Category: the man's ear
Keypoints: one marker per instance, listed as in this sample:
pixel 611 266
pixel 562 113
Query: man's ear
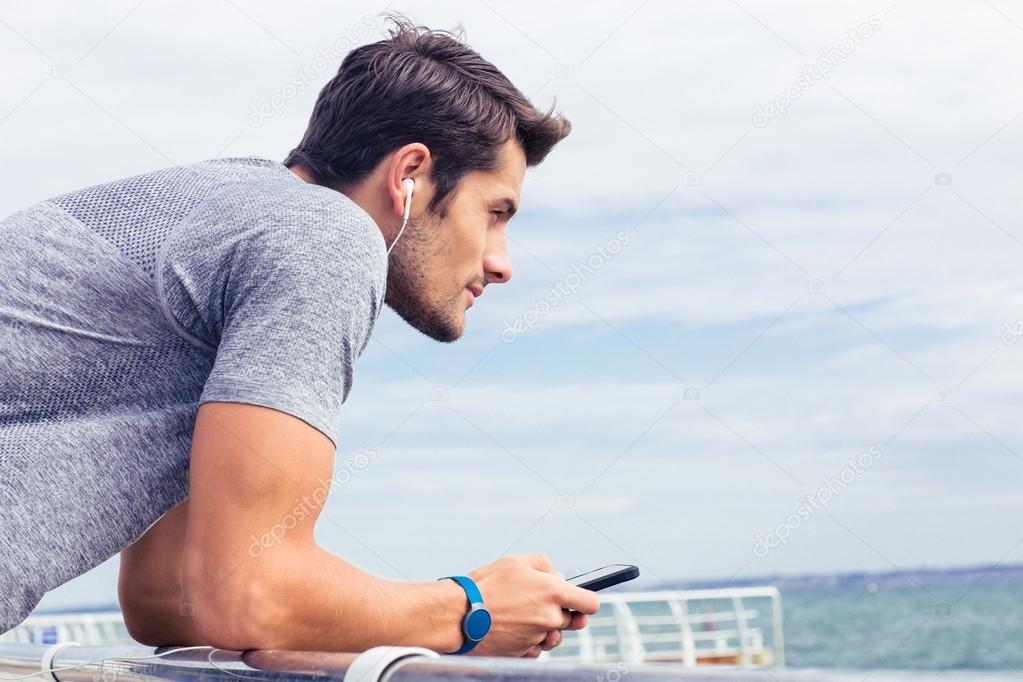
pixel 410 161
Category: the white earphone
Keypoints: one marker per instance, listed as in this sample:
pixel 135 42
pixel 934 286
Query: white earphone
pixel 409 184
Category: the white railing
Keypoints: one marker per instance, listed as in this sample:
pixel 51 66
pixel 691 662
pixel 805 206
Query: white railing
pixel 100 628
pixel 693 627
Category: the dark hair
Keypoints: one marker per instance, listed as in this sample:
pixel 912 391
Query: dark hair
pixel 424 86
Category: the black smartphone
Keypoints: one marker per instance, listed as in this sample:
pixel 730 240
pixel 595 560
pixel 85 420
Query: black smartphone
pixel 607 576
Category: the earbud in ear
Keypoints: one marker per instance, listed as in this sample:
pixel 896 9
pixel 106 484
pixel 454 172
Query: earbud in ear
pixel 409 184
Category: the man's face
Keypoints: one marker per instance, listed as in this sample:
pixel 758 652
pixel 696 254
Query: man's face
pixel 439 264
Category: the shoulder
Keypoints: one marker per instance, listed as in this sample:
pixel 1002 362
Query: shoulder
pixel 271 213
pixel 266 245
pixel 278 201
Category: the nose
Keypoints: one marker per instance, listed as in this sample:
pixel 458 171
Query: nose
pixel 496 263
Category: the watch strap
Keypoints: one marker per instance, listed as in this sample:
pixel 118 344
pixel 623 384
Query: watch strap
pixel 474 596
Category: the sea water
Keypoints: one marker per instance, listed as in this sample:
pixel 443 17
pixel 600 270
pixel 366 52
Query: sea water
pixel 906 627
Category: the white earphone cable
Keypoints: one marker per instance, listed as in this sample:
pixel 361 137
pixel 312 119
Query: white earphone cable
pixel 99 661
pixel 409 184
pixel 403 222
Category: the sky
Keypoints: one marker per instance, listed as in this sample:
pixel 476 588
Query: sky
pixel 767 306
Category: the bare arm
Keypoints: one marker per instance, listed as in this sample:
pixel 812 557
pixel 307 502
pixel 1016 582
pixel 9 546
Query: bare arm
pixel 149 586
pixel 253 576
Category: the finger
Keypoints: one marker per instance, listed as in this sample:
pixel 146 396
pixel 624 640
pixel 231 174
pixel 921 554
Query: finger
pixel 579 621
pixel 566 619
pixel 552 640
pixel 541 562
pixel 533 652
pixel 579 599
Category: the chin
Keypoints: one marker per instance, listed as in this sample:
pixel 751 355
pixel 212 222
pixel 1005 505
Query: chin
pixel 446 333
pixel 444 326
pixel 454 330
pixel 442 321
pixel 452 327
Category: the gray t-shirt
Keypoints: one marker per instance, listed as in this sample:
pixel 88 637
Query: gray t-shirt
pixel 125 306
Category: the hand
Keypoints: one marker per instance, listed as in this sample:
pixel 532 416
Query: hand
pixel 529 603
pixel 554 637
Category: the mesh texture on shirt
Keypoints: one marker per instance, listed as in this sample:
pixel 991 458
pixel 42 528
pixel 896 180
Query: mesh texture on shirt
pixel 137 214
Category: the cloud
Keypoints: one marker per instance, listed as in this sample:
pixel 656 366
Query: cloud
pixel 819 280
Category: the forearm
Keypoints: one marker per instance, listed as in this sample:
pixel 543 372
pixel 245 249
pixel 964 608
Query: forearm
pixel 298 596
pixel 338 606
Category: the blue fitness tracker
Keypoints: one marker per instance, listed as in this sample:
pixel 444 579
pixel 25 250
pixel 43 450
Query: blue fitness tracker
pixel 476 623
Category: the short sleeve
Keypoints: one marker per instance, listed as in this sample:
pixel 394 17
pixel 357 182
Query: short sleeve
pixel 284 288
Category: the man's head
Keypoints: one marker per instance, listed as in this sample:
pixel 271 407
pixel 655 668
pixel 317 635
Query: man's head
pixel 423 105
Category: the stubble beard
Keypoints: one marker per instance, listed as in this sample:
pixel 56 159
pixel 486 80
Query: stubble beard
pixel 408 287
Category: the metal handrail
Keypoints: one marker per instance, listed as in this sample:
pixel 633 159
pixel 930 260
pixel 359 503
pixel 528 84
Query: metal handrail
pixel 101 627
pixel 140 664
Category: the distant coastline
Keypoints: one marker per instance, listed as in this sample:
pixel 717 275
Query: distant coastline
pixel 867 580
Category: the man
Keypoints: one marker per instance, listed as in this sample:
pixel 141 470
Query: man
pixel 177 347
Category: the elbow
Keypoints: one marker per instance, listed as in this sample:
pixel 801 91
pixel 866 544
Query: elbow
pixel 143 608
pixel 235 609
pixel 141 625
